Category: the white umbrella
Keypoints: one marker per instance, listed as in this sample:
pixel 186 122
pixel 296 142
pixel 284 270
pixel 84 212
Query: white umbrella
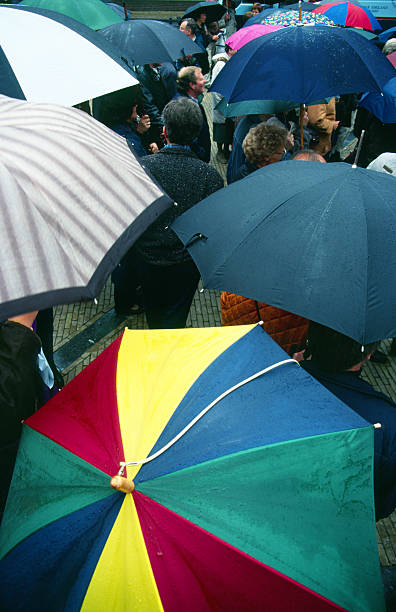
pixel 48 57
pixel 73 199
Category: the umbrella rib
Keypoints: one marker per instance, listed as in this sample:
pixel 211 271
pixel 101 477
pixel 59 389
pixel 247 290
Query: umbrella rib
pixel 125 464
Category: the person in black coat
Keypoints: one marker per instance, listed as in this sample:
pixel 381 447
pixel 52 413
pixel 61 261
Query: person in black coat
pixel 336 362
pixel 20 389
pixel 158 83
pixel 168 275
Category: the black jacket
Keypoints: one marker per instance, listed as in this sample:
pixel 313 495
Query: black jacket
pixel 187 180
pixel 20 387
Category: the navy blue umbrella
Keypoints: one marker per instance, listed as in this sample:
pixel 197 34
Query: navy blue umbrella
pixel 303 63
pixel 318 240
pixel 213 10
pixel 147 41
pixel 387 34
pixel 382 105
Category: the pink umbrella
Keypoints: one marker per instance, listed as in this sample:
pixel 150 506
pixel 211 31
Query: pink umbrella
pixel 245 35
pixel 391 57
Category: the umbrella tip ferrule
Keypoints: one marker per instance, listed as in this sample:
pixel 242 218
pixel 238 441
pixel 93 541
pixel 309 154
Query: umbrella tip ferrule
pixel 122 484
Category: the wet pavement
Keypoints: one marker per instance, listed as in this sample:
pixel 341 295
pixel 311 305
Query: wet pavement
pixel 82 331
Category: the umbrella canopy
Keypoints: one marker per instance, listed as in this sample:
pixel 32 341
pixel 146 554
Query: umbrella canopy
pixel 92 13
pixel 382 105
pixel 60 61
pixel 365 33
pixel 145 41
pixel 392 58
pixel 322 246
pixel 120 10
pixel 243 8
pixel 303 64
pixel 386 34
pixel 292 18
pixel 73 200
pixel 349 14
pixel 213 10
pixel 257 505
pixel 245 35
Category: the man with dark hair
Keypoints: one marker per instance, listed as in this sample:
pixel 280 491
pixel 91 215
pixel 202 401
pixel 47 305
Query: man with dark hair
pixel 167 273
pixel 336 362
pixel 190 84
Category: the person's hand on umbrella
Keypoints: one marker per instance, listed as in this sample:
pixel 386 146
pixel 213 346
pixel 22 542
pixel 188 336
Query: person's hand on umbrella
pixel 144 124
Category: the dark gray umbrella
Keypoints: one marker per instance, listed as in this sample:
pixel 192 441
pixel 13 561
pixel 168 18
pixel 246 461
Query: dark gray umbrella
pixel 73 199
pixel 213 10
pixel 318 240
pixel 147 41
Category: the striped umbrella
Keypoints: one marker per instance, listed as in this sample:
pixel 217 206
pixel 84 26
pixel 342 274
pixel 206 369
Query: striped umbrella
pixel 248 494
pixel 48 57
pixel 73 200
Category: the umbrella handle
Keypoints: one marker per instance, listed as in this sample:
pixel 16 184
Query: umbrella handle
pixel 122 484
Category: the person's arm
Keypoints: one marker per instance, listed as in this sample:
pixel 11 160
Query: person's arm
pixel 322 118
pixel 19 388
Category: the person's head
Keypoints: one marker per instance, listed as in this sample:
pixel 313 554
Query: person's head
pixel 308 155
pixel 389 46
pixel 213 27
pixel 201 18
pixel 190 81
pixel 182 121
pixel 118 106
pixel 256 8
pixel 265 144
pixel 229 51
pixel 333 352
pixel 189 27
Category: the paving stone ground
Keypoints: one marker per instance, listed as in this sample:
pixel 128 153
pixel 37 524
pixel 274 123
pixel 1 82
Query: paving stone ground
pixel 71 319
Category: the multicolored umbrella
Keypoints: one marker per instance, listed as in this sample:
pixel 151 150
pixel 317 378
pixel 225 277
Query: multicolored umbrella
pixel 92 13
pixel 252 490
pixel 292 18
pixel 349 14
pixel 245 35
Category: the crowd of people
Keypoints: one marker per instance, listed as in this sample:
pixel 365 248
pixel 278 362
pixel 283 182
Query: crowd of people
pixel 166 127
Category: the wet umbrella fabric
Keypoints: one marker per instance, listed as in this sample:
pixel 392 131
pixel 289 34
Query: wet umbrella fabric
pixel 73 200
pixel 322 247
pixel 350 15
pixel 292 18
pixel 256 505
pixel 92 13
pixel 382 105
pixel 61 60
pixel 146 41
pixel 213 10
pixel 303 64
pixel 386 34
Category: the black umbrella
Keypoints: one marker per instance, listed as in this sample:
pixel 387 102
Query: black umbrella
pixel 145 41
pixel 213 10
pixel 315 239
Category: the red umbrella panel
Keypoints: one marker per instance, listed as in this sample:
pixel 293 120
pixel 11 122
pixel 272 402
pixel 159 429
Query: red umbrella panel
pixel 252 485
